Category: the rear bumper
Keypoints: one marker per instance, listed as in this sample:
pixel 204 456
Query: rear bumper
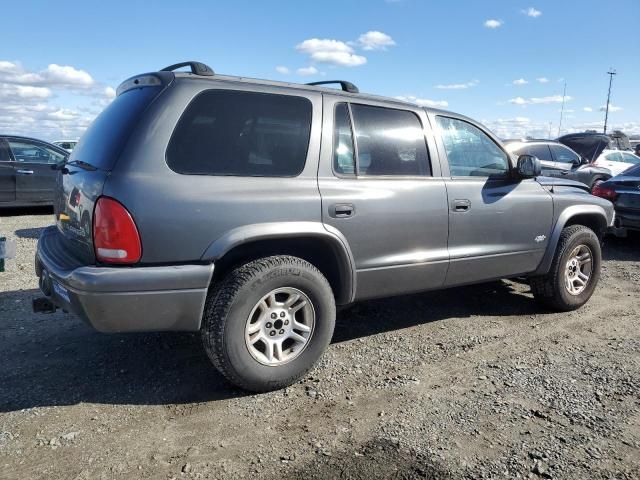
pixel 123 299
pixel 625 220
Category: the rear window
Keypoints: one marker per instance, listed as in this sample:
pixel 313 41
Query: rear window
pixel 224 132
pixel 104 139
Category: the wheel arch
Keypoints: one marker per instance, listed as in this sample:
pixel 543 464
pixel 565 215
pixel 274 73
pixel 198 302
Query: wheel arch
pixel 591 216
pixel 323 246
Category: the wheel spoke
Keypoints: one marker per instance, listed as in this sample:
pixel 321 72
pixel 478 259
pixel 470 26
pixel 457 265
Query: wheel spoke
pixel 297 337
pixel 297 307
pixel 254 327
pixel 301 327
pixel 268 352
pixel 293 298
pixel 277 350
pixel 582 278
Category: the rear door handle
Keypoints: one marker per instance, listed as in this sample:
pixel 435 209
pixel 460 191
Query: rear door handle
pixel 342 210
pixel 461 205
pixel 24 172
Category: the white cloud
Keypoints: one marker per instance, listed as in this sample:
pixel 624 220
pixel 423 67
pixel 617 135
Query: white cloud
pixel 493 23
pixel 28 100
pixel 306 71
pixel 542 80
pixel 612 108
pixel 331 51
pixel 539 100
pixel 457 86
pixel 282 70
pixel 588 109
pixel 62 76
pixel 424 102
pixel 532 12
pixel 375 40
pixel 520 81
pixel 65 75
pixel 110 93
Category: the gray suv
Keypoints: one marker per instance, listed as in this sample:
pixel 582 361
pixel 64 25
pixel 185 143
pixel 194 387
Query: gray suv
pixel 248 209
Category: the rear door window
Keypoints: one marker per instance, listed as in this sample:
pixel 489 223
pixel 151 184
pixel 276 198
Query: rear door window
pixel 389 142
pixel 225 132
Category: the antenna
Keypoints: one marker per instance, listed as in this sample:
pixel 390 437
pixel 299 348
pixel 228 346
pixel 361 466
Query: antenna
pixel 611 73
pixel 564 94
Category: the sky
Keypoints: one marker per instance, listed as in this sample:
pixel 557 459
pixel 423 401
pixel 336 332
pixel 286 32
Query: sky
pixel 502 62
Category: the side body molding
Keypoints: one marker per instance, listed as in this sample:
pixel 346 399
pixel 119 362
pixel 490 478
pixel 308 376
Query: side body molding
pixel 291 230
pixel 563 219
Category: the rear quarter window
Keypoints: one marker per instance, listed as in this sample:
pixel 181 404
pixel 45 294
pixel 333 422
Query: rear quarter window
pixel 226 132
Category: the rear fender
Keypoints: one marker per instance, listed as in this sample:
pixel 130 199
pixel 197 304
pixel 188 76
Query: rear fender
pixel 290 231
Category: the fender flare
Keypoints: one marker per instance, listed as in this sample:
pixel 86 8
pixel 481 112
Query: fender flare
pixel 566 215
pixel 271 231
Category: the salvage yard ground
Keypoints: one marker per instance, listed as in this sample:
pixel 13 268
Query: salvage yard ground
pixel 472 382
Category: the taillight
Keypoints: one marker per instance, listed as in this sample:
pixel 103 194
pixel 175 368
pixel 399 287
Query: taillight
pixel 604 192
pixel 115 235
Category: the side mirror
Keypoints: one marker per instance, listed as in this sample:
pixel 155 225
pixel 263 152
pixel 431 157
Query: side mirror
pixel 529 166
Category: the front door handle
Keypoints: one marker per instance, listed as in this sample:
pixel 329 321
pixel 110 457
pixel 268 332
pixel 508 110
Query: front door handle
pixel 24 172
pixel 342 210
pixel 461 205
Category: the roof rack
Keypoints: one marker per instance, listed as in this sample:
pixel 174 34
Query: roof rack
pixel 197 68
pixel 346 86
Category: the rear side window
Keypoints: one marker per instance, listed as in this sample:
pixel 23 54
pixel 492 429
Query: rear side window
pixel 564 155
pixel 540 151
pixel 389 142
pixel 224 132
pixel 614 157
pixel 105 138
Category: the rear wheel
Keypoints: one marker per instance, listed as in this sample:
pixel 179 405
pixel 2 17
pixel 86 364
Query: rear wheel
pixel 574 272
pixel 268 322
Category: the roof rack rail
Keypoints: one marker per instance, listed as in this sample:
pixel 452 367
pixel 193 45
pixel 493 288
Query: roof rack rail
pixel 346 86
pixel 197 68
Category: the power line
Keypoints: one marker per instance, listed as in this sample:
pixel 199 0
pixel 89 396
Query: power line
pixel 564 94
pixel 611 73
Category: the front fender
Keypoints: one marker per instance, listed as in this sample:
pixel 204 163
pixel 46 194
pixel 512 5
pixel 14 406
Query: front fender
pixel 598 213
pixel 276 230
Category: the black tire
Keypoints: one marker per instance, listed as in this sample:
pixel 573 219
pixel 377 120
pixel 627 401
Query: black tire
pixel 230 303
pixel 550 289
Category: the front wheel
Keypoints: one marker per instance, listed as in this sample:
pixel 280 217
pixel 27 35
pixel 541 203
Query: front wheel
pixel 268 322
pixel 574 272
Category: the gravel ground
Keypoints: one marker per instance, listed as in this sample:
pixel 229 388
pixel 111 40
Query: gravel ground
pixel 474 382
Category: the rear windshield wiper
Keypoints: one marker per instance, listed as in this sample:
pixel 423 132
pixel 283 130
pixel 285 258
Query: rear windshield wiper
pixel 75 163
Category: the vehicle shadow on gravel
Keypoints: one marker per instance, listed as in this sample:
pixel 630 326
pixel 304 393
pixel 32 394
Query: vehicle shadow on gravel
pixel 54 360
pixel 377 316
pixel 19 211
pixel 33 233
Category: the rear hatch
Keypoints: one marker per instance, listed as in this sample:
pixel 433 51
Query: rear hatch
pixel 80 183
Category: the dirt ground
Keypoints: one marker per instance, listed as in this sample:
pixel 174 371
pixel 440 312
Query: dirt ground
pixel 474 382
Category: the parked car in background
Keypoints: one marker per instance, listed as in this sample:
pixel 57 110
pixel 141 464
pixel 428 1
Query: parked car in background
pixel 624 191
pixel 27 174
pixel 617 161
pixel 68 145
pixel 601 150
pixel 247 209
pixel 558 160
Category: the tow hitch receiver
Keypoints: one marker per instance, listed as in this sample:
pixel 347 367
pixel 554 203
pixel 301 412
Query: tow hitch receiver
pixel 43 305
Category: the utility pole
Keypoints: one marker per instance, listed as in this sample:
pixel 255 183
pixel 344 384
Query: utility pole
pixel 611 73
pixel 564 94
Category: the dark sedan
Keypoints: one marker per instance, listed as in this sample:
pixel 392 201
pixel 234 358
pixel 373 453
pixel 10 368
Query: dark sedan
pixel 624 191
pixel 27 176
